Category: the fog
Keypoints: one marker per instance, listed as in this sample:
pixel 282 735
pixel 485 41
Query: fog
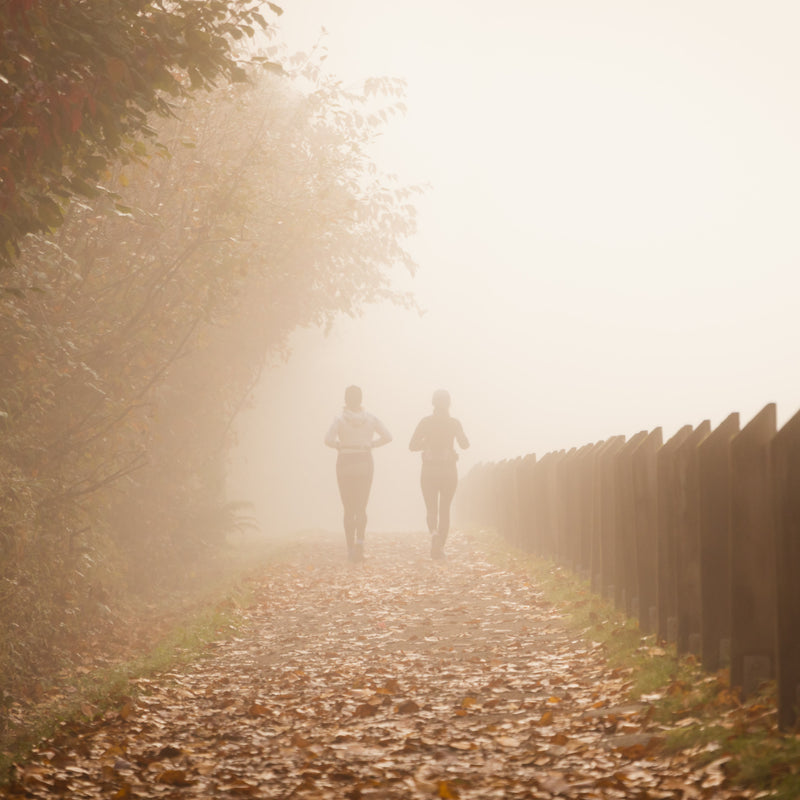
pixel 608 244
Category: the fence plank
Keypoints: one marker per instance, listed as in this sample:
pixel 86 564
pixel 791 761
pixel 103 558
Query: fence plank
pixel 604 508
pixel 753 571
pixel 714 474
pixel 667 584
pixel 626 584
pixel 786 466
pixel 688 635
pixel 645 489
pixel 526 470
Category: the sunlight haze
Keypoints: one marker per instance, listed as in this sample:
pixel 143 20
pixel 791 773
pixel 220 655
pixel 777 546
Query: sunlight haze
pixel 608 242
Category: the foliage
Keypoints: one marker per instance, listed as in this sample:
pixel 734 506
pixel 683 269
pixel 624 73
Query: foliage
pixel 79 82
pixel 153 320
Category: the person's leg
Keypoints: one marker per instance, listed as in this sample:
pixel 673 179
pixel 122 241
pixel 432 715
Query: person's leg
pixel 430 494
pixel 447 489
pixel 361 492
pixel 348 492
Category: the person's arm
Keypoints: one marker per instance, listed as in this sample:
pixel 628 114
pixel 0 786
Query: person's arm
pixel 418 439
pixel 332 436
pixel 384 437
pixel 461 437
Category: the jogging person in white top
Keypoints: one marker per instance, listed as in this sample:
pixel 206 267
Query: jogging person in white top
pixel 354 433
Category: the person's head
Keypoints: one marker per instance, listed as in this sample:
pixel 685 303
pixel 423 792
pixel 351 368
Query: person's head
pixel 441 400
pixel 352 397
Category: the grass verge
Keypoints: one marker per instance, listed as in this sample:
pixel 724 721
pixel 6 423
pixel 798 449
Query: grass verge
pixel 698 712
pixel 165 633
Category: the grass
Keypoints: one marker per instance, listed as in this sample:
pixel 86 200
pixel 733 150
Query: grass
pixel 180 629
pixel 699 712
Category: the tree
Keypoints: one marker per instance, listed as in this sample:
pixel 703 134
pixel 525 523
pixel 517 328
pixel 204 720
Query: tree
pixel 80 81
pixel 155 316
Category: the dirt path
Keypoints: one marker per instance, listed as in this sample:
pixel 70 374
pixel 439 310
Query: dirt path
pixel 398 678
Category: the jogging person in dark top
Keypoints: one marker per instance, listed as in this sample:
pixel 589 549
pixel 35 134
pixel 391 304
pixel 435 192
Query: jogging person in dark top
pixel 435 436
pixel 354 433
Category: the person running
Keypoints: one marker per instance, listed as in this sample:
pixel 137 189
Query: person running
pixel 354 433
pixel 435 436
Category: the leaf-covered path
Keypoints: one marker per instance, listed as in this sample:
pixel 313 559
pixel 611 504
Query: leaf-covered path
pixel 398 678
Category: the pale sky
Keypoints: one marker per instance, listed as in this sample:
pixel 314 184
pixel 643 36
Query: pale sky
pixel 609 243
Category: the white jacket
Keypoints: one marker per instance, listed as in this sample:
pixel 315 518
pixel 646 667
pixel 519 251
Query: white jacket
pixel 354 432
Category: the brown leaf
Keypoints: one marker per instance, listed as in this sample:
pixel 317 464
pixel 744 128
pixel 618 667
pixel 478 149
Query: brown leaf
pixel 446 791
pixel 173 777
pixel 407 707
pixel 461 745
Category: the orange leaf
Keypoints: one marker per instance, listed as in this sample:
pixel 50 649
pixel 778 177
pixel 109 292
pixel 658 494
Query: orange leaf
pixel 173 777
pixel 446 791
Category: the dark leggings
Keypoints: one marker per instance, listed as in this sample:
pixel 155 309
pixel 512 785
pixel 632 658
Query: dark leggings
pixel 438 483
pixel 354 475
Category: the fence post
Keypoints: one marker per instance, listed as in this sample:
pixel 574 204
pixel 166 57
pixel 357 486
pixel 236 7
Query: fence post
pixel 603 524
pixel 525 478
pixel 562 509
pixel 667 585
pixel 552 514
pixel 539 505
pixel 588 465
pixel 753 571
pixel 645 490
pixel 689 615
pixel 786 467
pixel 626 593
pixel 714 473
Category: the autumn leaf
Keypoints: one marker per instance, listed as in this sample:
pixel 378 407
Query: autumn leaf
pixel 173 777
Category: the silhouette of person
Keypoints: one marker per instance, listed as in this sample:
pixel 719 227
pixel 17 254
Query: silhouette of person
pixel 354 433
pixel 435 436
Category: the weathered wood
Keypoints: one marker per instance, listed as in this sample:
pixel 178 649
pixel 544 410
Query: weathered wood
pixel 626 590
pixel 753 571
pixel 714 475
pixel 571 490
pixel 525 478
pixel 786 475
pixel 580 500
pixel 688 634
pixel 608 534
pixel 603 513
pixel 667 583
pixel 563 510
pixel 551 516
pixel 538 505
pixel 585 510
pixel 645 488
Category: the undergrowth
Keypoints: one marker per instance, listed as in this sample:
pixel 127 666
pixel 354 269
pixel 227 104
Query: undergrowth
pixel 699 713
pixel 175 628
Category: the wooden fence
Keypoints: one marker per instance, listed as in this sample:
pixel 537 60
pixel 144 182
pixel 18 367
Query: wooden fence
pixel 697 537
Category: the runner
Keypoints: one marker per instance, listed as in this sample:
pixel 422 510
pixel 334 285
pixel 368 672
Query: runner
pixel 353 433
pixel 435 436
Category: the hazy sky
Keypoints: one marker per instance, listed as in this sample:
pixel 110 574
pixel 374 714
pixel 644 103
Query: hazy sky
pixel 609 243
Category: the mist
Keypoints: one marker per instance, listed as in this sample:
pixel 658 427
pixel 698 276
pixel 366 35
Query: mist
pixel 607 243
